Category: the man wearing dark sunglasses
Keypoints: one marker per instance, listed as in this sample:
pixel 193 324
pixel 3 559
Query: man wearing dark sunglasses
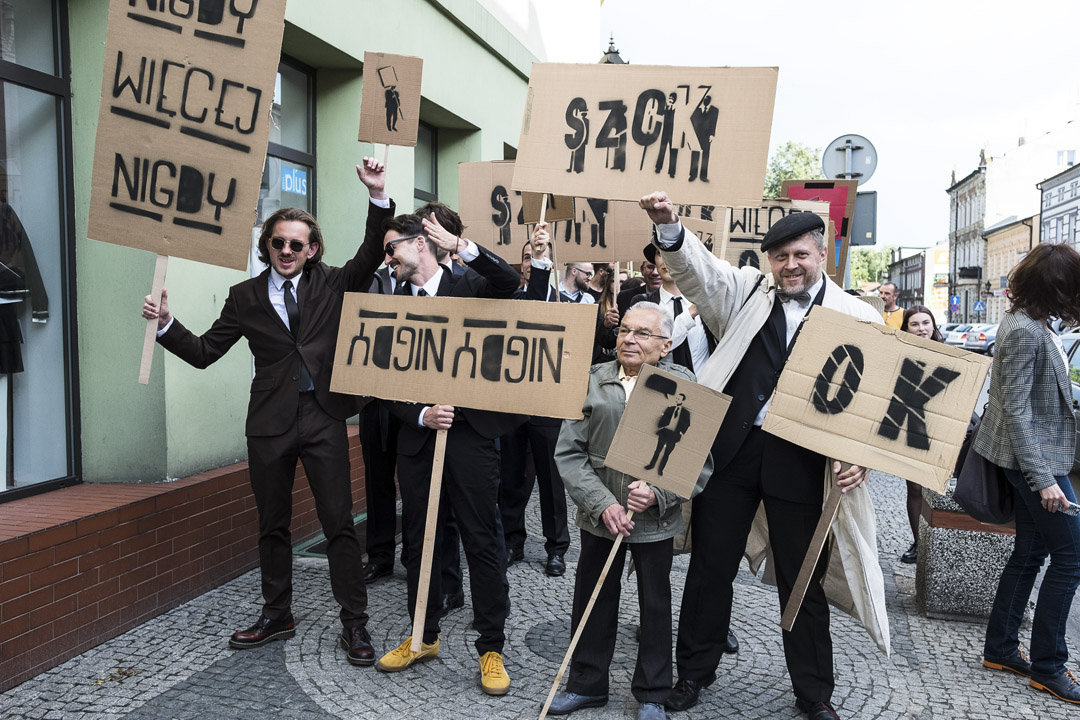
pixel 289 315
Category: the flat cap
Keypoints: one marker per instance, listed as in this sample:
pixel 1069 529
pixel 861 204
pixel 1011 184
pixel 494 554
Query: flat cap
pixel 791 227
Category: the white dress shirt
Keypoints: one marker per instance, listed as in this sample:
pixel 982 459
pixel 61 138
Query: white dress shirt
pixel 687 327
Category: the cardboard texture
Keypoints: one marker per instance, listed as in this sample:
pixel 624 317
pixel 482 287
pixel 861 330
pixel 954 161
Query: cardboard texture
pixel 623 131
pixel 707 231
pixel 183 126
pixel 651 430
pixel 491 212
pixel 749 224
pixel 484 354
pixel 874 396
pixel 559 207
pixel 836 261
pixel 390 103
pixel 840 194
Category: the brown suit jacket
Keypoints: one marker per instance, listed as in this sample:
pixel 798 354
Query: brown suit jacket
pixel 248 313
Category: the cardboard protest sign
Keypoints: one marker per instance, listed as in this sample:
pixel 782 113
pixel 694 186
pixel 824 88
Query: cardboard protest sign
pixel 878 397
pixel 667 430
pixel 838 255
pixel 840 194
pixel 621 131
pixel 183 126
pixel 629 229
pixel 601 231
pixel 483 354
pixel 749 224
pixel 490 210
pixel 559 207
pixel 707 231
pixel 390 104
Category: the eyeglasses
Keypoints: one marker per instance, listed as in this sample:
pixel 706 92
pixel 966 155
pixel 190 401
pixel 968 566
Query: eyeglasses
pixel 639 334
pixel 294 245
pixel 586 273
pixel 389 247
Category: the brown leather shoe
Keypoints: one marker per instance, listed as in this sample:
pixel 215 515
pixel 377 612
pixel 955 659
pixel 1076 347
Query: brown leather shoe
pixel 263 631
pixel 358 644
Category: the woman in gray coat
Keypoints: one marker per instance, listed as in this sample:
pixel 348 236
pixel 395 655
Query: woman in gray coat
pixel 1030 431
pixel 603 497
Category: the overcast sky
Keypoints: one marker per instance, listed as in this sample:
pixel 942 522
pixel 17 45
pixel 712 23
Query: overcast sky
pixel 929 83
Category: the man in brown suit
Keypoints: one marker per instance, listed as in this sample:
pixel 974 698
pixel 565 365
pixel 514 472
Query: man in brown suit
pixel 292 414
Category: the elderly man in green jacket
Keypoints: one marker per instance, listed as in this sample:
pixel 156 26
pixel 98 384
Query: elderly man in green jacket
pixel 603 496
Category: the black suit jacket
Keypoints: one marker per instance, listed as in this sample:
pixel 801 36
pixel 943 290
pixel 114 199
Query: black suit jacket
pixel 488 276
pixel 248 313
pixel 680 355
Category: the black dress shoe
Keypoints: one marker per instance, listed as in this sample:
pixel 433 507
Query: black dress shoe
pixel 263 631
pixel 556 566
pixel 685 693
pixel 1017 662
pixel 451 601
pixel 731 645
pixel 565 703
pixel 373 572
pixel 819 710
pixel 1063 687
pixel 912 555
pixel 513 554
pixel 357 643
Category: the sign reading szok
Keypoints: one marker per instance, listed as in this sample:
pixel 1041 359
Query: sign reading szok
pixel 877 397
pixel 621 131
pixel 182 131
pixel 390 104
pixel 477 353
pixel 667 430
pixel 491 212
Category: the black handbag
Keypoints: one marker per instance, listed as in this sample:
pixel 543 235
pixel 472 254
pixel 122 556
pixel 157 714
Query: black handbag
pixel 981 486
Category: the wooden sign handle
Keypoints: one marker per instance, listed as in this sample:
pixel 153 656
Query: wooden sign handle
pixel 386 154
pixel 150 338
pixel 617 284
pixel 817 544
pixel 543 207
pixel 581 623
pixel 434 491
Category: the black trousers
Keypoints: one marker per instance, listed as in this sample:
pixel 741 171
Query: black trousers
pixel 321 443
pixel 541 435
pixel 378 440
pixel 470 488
pixel 449 553
pixel 592 657
pixel 722 516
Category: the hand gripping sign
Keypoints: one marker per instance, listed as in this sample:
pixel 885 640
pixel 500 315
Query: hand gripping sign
pixel 484 354
pixel 876 397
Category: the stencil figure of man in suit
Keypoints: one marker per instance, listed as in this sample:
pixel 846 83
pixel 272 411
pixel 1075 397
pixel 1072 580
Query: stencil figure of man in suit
pixel 669 431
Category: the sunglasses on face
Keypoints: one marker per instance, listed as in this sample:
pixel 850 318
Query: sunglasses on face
pixel 389 248
pixel 295 245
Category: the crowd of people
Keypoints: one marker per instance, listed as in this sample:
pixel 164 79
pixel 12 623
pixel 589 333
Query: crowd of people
pixel 730 329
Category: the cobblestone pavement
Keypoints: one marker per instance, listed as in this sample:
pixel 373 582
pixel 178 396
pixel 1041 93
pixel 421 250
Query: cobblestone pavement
pixel 179 666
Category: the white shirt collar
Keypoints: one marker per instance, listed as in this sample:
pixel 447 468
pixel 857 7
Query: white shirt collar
pixel 431 287
pixel 278 281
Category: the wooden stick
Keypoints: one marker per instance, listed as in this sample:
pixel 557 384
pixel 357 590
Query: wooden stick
pixel 543 207
pixel 817 544
pixel 581 623
pixel 386 154
pixel 150 338
pixel 434 491
pixel 615 280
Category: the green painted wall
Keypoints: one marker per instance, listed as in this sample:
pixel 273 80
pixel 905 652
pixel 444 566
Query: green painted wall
pixel 187 420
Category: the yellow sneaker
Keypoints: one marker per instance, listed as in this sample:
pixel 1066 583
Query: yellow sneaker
pixel 493 677
pixel 402 657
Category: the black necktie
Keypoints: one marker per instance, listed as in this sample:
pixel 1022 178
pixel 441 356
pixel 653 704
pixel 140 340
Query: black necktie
pixel 421 293
pixel 678 306
pixel 293 311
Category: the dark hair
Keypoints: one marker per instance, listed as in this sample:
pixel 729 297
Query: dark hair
pixel 406 225
pixel 632 284
pixel 289 214
pixel 1047 283
pixel 915 310
pixel 446 217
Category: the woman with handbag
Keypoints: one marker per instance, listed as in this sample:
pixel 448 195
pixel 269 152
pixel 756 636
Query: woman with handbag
pixel 918 320
pixel 1029 431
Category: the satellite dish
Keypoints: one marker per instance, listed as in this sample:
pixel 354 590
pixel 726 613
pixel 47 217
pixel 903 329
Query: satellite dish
pixel 849 157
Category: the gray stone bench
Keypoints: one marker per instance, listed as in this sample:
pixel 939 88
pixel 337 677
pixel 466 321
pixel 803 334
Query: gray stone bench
pixel 960 560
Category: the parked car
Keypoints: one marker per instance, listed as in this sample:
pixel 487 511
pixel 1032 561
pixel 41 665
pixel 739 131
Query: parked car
pixel 981 338
pixel 947 328
pixel 957 335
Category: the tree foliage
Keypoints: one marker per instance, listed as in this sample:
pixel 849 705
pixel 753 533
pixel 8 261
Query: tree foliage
pixel 792 161
pixel 869 264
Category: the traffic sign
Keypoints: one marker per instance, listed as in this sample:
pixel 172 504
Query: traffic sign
pixel 849 157
pixel 954 308
pixel 979 306
pixel 954 299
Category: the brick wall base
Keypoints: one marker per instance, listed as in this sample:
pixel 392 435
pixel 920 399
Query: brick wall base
pixel 139 551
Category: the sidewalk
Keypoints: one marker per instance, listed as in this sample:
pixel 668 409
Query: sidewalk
pixel 178 666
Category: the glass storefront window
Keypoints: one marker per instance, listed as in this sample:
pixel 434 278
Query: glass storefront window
pixel 425 163
pixel 26 34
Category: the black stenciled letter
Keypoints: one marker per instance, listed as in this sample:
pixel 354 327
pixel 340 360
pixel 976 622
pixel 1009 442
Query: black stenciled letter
pixel 577 119
pixel 849 386
pixel 457 356
pixel 613 133
pixel 909 399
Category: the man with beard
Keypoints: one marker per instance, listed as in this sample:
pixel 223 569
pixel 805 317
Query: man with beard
pixel 757 318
